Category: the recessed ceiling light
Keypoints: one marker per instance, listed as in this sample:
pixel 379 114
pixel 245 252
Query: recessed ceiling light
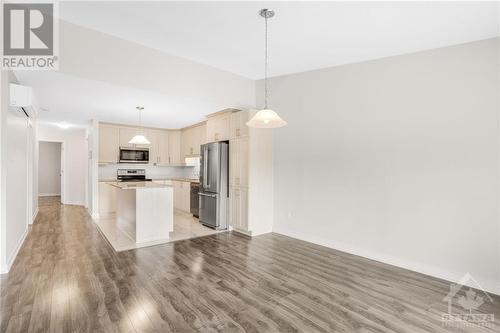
pixel 63 125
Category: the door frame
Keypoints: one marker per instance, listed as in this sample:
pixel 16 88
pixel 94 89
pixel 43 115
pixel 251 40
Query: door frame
pixel 63 166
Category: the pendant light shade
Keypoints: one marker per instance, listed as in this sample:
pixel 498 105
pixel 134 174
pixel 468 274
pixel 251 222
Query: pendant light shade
pixel 266 118
pixel 140 139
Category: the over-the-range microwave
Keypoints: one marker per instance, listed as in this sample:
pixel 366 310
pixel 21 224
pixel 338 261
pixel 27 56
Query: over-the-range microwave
pixel 134 155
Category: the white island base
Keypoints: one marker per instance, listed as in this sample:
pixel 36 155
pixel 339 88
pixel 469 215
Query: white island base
pixel 144 213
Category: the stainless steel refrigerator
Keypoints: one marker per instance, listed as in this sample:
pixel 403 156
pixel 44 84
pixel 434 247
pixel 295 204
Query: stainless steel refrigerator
pixel 214 185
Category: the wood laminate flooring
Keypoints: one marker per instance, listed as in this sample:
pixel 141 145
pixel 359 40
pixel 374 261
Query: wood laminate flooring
pixel 67 278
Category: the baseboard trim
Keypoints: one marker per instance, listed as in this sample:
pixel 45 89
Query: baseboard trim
pixel 243 232
pixel 6 268
pixel 35 214
pixel 49 194
pixel 74 203
pixel 488 286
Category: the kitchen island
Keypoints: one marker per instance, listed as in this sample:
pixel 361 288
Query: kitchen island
pixel 144 212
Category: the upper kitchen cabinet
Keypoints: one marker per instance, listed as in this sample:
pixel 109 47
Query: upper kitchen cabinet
pixel 109 137
pixel 191 140
pixel 238 126
pixel 158 149
pixel 218 126
pixel 186 142
pixel 202 133
pixel 174 147
pixel 163 154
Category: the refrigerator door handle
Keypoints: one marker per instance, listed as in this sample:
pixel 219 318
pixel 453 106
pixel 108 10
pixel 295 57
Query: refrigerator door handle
pixel 208 195
pixel 205 167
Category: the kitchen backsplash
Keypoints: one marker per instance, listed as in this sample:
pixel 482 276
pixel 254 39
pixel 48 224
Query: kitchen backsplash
pixel 108 172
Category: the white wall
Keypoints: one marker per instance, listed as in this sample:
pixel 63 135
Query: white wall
pixel 33 167
pixel 49 168
pixel 395 159
pixel 93 168
pixel 75 160
pixel 15 197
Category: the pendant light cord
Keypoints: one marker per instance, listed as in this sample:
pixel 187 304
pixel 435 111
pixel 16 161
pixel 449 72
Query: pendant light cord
pixel 265 68
pixel 140 121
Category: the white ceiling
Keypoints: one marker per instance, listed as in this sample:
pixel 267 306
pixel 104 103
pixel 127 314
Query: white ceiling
pixel 229 36
pixel 303 35
pixel 76 101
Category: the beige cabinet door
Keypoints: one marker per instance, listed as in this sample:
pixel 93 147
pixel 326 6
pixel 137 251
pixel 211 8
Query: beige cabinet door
pixel 239 208
pixel 177 190
pixel 174 147
pixel 223 126
pixel 234 161
pixel 163 147
pixel 152 136
pixel 186 196
pixel 109 150
pixel 202 134
pixel 218 127
pixel 182 196
pixel 199 137
pixel 195 141
pixel 107 199
pixel 244 209
pixel 211 129
pixel 238 127
pixel 186 142
pixel 191 140
pixel 234 207
pixel 238 162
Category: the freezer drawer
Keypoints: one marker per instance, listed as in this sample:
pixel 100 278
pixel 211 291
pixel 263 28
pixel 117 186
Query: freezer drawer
pixel 208 209
pixel 213 210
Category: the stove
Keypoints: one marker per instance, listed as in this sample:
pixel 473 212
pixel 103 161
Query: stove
pixel 131 175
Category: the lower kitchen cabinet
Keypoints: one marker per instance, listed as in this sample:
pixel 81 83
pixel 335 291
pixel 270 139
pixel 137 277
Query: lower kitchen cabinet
pixel 239 208
pixel 182 196
pixel 107 199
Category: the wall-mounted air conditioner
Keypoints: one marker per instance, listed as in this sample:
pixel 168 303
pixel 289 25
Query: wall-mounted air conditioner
pixel 21 99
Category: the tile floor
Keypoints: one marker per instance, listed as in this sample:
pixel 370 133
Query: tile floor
pixel 185 227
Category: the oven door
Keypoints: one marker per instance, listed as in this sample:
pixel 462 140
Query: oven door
pixel 134 155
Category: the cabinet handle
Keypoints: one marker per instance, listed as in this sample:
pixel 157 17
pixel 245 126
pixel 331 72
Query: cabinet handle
pixel 191 150
pixel 169 160
pixel 216 136
pixel 237 132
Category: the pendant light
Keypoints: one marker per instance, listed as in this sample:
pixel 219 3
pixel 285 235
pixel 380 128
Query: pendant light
pixel 140 139
pixel 266 118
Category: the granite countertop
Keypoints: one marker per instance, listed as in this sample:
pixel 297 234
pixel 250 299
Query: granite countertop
pixel 190 180
pixel 136 185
